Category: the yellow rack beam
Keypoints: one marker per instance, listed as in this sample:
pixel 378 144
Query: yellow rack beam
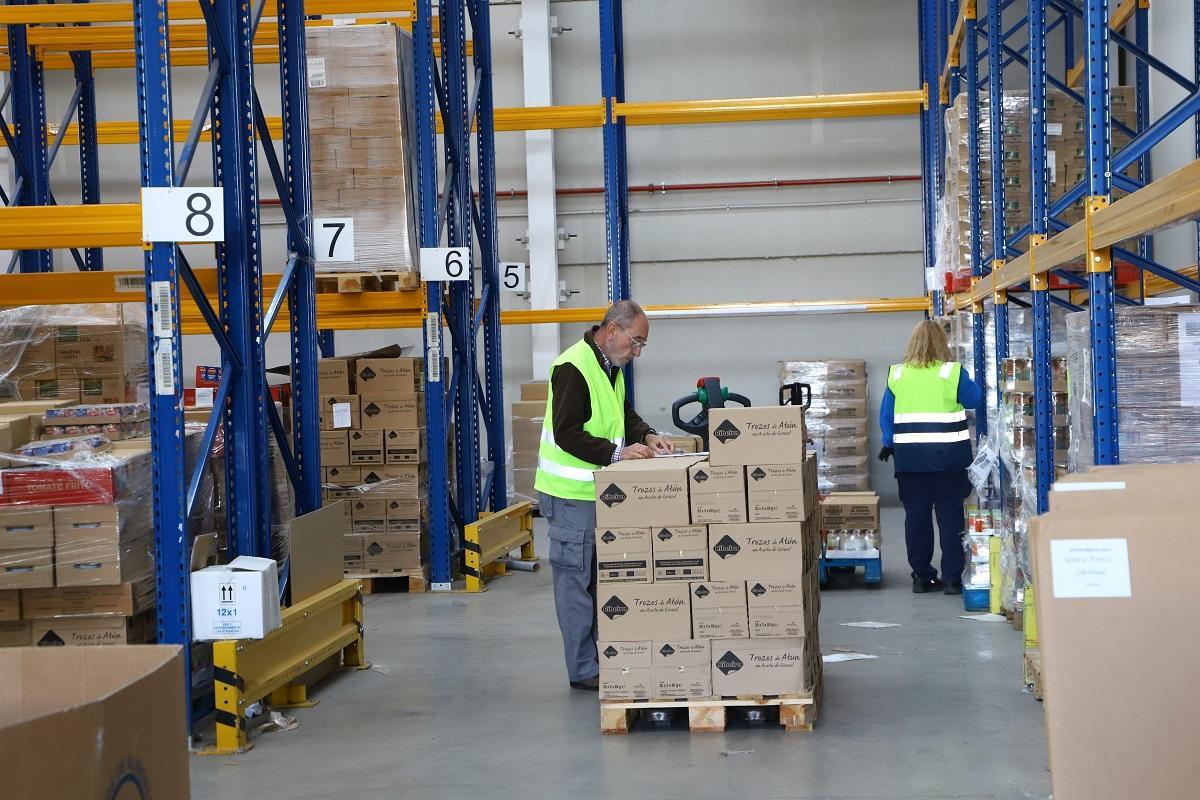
pixel 1118 18
pixel 49 227
pixel 756 109
pixel 181 9
pixel 967 11
pixel 1161 204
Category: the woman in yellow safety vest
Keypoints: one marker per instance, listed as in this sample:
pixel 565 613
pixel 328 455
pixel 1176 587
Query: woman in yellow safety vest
pixel 924 423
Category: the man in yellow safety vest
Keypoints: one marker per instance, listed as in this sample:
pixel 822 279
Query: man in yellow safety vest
pixel 588 424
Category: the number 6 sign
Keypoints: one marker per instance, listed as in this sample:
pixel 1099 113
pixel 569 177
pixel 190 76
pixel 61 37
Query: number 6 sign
pixel 183 214
pixel 445 264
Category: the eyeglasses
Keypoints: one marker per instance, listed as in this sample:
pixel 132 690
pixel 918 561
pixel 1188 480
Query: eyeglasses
pixel 640 344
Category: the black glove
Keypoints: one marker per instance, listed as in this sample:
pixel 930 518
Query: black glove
pixel 885 453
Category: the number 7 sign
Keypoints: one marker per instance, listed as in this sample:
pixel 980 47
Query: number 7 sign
pixel 334 238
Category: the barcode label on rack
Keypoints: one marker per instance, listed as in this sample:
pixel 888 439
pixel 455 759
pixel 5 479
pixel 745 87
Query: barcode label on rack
pixel 316 73
pixel 433 330
pixel 129 283
pixel 164 367
pixel 161 294
pixel 1189 359
pixel 433 364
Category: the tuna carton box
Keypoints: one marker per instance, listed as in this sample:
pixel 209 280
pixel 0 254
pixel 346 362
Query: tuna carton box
pixel 758 666
pixel 759 435
pixel 644 493
pixel 681 553
pixel 762 551
pixel 623 555
pixel 719 610
pixel 633 612
pixel 625 670
pixel 718 494
pixel 681 669
pixel 777 608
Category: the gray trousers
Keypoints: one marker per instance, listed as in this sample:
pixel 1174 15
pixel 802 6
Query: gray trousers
pixel 573 558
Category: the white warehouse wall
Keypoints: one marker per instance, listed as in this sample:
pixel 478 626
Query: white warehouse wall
pixel 858 241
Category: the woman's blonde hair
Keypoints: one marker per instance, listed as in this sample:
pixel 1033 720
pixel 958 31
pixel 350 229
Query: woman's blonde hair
pixel 927 346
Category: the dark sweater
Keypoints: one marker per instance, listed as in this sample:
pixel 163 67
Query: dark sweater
pixel 573 407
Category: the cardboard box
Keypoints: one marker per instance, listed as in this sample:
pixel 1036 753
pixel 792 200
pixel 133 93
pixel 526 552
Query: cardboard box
pixel 779 506
pixel 368 508
pixel 340 412
pixel 704 478
pixel 623 555
pixel 760 435
pixel 102 631
pixel 25 527
pixel 778 622
pixel 643 493
pixel 397 376
pixel 31 568
pixel 16 634
pixel 535 390
pixel 404 446
pixel 850 510
pixel 343 476
pixel 353 551
pixel 101 390
pixel 682 683
pixel 10 605
pixel 335 449
pixel 388 552
pixel 779 608
pixel 93 713
pixel 624 655
pixel 122 600
pixel 407 514
pixel 390 412
pixel 763 550
pixel 529 409
pixel 641 611
pixel 713 507
pixel 681 553
pixel 845 447
pixel 759 666
pixel 625 683
pixel 366 447
pixel 1107 600
pixel 720 623
pixel 238 600
pixel 396 480
pixel 334 376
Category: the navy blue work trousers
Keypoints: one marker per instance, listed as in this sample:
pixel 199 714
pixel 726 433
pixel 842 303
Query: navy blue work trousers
pixel 924 495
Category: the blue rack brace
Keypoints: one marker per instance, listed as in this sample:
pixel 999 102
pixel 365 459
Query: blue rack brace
pixel 29 123
pixel 971 57
pixel 1040 285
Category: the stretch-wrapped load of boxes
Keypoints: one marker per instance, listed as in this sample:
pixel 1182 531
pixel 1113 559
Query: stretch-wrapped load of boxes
pixel 850 525
pixel 76 542
pixel 92 354
pixel 837 420
pixel 706 568
pixel 1158 385
pixel 360 117
pixel 527 416
pixel 1066 161
pixel 373 452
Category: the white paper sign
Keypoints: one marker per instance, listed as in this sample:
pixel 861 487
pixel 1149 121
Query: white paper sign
pixel 445 264
pixel 341 415
pixel 512 276
pixel 334 238
pixel 1086 568
pixel 205 397
pixel 183 214
pixel 316 72
pixel 164 366
pixel 1189 359
pixel 1053 129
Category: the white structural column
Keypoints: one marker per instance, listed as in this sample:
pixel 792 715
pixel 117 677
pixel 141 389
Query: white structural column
pixel 539 178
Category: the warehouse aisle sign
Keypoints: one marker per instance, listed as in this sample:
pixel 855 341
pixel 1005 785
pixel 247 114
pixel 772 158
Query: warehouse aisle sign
pixel 183 214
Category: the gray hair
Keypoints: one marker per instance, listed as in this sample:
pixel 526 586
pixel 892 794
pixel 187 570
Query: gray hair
pixel 623 313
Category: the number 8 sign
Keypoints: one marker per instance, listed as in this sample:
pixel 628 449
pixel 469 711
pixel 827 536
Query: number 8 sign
pixel 183 214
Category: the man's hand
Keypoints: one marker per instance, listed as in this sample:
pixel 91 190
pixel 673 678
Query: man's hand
pixel 659 444
pixel 885 453
pixel 633 451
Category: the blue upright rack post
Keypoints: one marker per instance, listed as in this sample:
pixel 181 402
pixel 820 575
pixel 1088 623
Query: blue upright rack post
pixel 496 497
pixel 425 74
pixel 970 55
pixel 1040 284
pixel 996 143
pixel 29 133
pixel 1099 262
pixel 616 168
pixel 1142 98
pixel 89 145
pixel 930 137
pixel 172 548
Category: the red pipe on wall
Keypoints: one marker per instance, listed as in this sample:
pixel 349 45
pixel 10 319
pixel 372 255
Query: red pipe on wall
pixel 664 188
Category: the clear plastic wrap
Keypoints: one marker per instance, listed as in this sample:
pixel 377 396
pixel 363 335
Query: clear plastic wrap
pixel 836 421
pixel 361 126
pixel 819 372
pixel 1158 385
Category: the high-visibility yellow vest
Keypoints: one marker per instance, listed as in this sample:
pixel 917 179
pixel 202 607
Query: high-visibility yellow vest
pixel 930 432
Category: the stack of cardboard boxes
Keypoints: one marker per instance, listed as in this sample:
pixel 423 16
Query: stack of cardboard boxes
pixel 706 580
pixel 527 416
pixel 373 452
pixel 77 551
pixel 92 354
pixel 837 420
pixel 850 525
pixel 360 113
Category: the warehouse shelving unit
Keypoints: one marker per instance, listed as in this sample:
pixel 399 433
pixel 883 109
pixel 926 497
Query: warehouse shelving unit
pixel 956 39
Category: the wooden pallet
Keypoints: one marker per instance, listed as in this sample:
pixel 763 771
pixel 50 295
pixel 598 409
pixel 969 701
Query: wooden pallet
pixel 1033 672
pixel 359 282
pixel 411 581
pixel 791 712
pixel 1015 618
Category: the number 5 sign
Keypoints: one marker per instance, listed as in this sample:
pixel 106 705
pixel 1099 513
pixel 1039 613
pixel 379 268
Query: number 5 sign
pixel 183 214
pixel 335 238
pixel 445 264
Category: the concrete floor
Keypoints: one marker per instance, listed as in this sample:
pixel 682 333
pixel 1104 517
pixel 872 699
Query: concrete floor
pixel 468 697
